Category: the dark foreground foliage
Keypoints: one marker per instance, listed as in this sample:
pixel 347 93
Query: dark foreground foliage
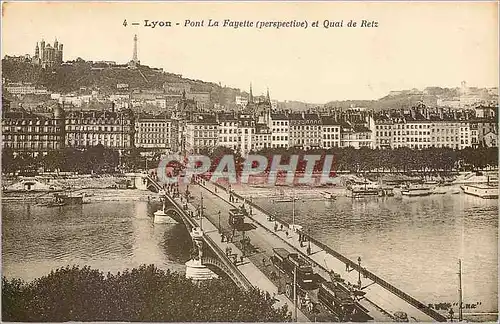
pixel 142 294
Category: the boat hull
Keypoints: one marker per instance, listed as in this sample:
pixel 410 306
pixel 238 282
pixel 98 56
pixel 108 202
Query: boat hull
pixel 410 193
pixel 355 194
pixel 481 192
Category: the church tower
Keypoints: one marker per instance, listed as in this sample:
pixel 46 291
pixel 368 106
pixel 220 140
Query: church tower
pixel 42 50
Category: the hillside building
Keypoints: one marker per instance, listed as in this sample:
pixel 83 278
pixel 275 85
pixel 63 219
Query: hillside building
pixel 48 56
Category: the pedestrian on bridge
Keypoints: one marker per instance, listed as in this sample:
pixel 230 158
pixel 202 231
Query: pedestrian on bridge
pixel 264 261
pixel 241 258
pixel 222 237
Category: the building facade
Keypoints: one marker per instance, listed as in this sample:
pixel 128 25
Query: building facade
pixel 228 131
pixel 156 133
pixel 279 125
pixel 111 129
pixel 33 134
pixel 246 130
pixel 305 130
pixel 330 132
pixel 261 137
pixel 201 133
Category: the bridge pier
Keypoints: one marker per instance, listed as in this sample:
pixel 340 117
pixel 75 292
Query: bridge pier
pixel 195 269
pixel 161 216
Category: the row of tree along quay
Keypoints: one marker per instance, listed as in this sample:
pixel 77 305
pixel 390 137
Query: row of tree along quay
pixel 141 294
pixel 98 159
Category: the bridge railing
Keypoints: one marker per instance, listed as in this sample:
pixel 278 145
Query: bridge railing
pixel 381 282
pixel 241 280
pixel 368 274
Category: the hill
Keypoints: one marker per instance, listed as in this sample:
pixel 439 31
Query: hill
pixel 79 73
pixel 388 102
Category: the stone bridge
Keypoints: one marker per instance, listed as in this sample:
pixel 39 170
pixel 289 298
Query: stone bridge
pixel 219 261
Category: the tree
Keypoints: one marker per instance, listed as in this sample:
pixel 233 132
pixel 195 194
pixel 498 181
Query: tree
pixel 53 160
pixel 141 294
pixel 8 161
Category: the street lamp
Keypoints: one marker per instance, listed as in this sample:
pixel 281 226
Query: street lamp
pixel 243 243
pixel 359 272
pixel 201 211
pixel 295 293
pixel 309 241
pixel 219 222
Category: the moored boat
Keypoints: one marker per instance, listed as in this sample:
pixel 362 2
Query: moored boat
pixel 486 191
pixel 363 190
pixel 416 190
pixel 280 200
pixel 69 199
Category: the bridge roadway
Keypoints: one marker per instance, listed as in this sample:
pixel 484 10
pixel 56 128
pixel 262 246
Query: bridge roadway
pixel 248 274
pixel 381 301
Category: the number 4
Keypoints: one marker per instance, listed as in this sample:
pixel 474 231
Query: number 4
pixel 125 23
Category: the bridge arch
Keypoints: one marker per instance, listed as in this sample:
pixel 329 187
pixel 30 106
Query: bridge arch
pixel 211 262
pixel 174 213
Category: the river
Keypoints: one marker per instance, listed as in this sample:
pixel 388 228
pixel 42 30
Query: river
pixel 110 236
pixel 414 243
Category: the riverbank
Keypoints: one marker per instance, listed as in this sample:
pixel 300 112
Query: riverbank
pixel 91 195
pixel 105 181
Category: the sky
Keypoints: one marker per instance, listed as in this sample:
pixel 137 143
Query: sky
pixel 414 45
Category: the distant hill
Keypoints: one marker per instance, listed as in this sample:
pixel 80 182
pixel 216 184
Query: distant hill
pixel 405 100
pixel 79 73
pixel 296 105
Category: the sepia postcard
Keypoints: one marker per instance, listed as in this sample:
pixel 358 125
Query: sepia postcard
pixel 247 161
